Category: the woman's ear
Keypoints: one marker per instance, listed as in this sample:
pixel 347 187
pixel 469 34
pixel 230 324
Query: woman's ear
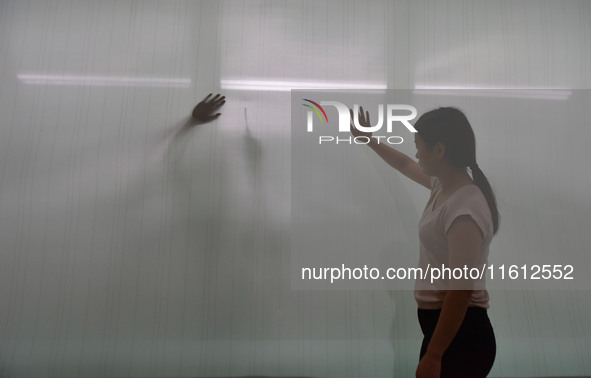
pixel 439 150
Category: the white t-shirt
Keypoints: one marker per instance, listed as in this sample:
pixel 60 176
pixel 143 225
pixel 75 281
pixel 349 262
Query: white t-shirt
pixel 433 228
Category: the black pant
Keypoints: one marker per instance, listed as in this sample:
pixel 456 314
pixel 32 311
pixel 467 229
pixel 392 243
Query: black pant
pixel 473 349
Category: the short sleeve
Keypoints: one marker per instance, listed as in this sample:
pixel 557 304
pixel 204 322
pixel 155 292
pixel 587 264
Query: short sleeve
pixel 475 206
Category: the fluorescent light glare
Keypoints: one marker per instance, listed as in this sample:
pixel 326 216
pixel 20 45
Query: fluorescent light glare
pixel 276 85
pixel 104 81
pixel 529 93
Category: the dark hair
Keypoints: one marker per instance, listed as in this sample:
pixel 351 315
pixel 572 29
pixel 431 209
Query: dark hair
pixel 451 127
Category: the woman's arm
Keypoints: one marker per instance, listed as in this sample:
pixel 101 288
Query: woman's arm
pixel 464 239
pixel 396 159
pixel 403 163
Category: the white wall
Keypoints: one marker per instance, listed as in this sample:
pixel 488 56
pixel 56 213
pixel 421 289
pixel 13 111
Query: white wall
pixel 130 249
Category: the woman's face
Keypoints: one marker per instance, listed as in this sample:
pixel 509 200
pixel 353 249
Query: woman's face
pixel 425 156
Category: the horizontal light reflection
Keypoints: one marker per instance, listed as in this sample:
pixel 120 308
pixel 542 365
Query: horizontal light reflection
pixel 103 81
pixel 529 93
pixel 279 85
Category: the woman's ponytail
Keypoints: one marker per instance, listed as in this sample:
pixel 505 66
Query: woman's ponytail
pixel 482 182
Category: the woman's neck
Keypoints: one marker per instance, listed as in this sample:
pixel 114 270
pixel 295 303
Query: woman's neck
pixel 454 178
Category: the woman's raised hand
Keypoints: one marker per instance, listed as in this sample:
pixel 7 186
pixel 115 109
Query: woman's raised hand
pixel 363 121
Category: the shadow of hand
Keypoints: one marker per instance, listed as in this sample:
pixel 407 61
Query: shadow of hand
pixel 203 111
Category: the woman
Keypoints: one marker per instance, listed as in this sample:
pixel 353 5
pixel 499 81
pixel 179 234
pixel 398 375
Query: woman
pixel 455 229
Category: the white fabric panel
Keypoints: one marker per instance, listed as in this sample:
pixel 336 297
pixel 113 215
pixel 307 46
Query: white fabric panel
pixel 130 247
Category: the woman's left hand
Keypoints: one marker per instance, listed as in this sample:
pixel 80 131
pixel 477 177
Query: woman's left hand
pixel 429 367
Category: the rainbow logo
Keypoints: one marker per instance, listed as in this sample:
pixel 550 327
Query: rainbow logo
pixel 315 110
